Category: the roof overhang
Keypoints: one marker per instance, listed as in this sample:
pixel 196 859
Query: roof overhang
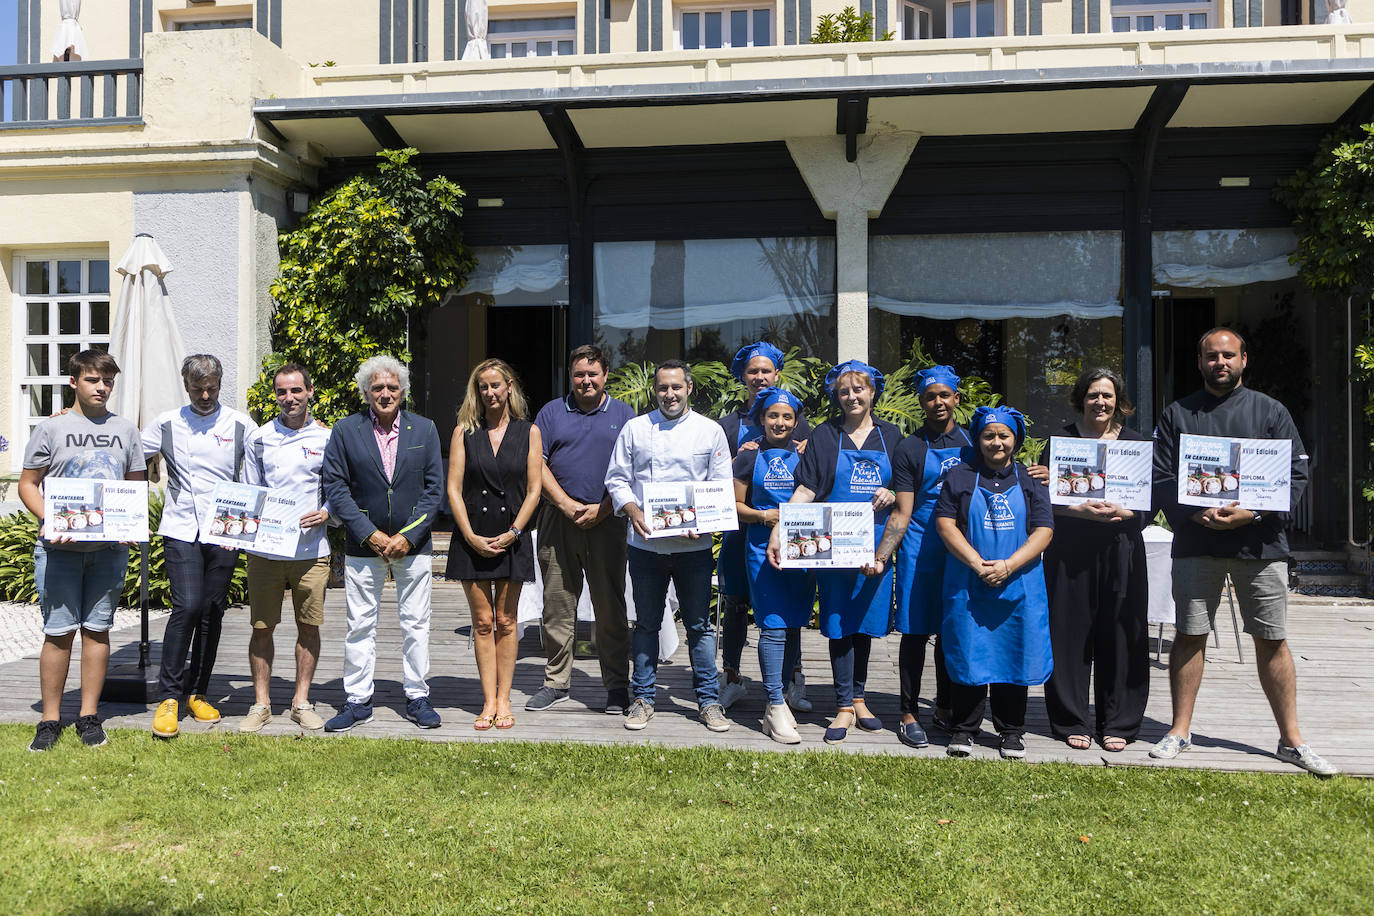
pixel 1215 95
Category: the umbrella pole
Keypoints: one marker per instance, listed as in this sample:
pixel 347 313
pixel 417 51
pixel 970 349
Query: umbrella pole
pixel 143 641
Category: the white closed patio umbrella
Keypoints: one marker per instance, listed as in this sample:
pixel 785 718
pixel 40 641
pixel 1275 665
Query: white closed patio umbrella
pixel 146 342
pixel 149 350
pixel 475 15
pixel 70 42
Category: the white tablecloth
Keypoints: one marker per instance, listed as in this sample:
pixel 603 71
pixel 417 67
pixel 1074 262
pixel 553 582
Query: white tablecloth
pixel 1160 568
pixel 531 609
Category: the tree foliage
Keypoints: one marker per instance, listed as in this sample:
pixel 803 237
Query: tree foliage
pixel 715 392
pixel 370 254
pixel 848 25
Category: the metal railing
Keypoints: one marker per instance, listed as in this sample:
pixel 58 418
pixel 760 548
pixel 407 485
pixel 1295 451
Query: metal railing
pixel 71 93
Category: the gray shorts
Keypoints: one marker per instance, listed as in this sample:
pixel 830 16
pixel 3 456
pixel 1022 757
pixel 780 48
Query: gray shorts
pixel 1261 590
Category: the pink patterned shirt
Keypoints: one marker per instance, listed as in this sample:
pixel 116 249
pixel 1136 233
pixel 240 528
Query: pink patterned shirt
pixel 387 442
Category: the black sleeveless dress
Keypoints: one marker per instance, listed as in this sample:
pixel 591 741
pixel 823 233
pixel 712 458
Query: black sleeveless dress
pixel 494 487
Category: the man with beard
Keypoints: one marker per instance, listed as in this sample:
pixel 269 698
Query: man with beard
pixel 1210 544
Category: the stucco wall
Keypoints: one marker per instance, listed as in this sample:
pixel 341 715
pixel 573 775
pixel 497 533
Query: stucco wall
pixel 199 231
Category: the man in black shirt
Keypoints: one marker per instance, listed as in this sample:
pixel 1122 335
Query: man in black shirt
pixel 1210 544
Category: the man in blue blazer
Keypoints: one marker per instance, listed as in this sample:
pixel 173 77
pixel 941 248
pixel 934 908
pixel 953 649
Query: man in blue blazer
pixel 383 477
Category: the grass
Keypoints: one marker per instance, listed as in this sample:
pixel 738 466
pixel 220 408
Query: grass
pixel 243 824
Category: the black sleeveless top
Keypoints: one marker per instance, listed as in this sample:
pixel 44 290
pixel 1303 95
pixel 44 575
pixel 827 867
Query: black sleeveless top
pixel 494 487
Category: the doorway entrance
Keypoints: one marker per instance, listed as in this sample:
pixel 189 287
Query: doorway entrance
pixel 1179 322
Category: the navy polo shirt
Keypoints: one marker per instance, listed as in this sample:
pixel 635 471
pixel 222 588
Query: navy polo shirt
pixel 578 445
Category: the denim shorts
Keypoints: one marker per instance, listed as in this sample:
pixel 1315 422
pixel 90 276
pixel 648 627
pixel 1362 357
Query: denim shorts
pixel 78 589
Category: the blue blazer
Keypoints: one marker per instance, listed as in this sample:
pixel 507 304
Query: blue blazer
pixel 364 500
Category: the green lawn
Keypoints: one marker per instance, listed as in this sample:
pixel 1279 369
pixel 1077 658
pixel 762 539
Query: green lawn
pixel 224 823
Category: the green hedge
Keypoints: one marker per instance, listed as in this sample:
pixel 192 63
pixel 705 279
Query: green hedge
pixel 20 530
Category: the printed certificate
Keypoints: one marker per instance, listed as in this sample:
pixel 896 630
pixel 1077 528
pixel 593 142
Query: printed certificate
pixel 685 506
pixel 95 510
pixel 1093 470
pixel 254 518
pixel 1217 471
pixel 826 535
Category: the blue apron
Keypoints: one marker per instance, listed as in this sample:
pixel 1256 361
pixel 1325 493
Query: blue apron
pixel 996 635
pixel 850 601
pixel 921 556
pixel 731 580
pixel 780 599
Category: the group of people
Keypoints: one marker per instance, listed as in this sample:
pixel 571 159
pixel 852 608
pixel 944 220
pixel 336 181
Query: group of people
pixel 968 549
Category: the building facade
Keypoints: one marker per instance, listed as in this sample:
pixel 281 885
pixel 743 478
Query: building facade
pixel 1029 187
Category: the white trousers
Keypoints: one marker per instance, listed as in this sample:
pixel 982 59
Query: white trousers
pixel 364 578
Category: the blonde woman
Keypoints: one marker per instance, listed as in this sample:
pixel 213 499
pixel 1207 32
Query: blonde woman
pixel 494 467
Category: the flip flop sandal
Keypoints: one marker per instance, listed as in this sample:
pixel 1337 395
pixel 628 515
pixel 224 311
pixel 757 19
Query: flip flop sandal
pixel 482 723
pixel 505 721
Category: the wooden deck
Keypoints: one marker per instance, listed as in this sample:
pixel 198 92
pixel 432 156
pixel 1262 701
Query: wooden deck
pixel 1332 641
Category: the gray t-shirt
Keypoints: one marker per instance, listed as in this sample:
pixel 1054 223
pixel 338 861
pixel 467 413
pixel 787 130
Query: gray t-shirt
pixel 72 445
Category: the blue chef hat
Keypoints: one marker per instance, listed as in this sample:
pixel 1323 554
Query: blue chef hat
pixel 1010 417
pixel 936 375
pixel 749 351
pixel 770 396
pixel 855 365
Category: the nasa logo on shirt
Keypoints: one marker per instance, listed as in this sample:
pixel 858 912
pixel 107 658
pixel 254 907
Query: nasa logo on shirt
pixel 776 471
pixel 865 476
pixel 999 517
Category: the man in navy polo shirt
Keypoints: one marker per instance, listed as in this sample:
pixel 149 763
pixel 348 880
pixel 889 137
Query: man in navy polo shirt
pixel 580 537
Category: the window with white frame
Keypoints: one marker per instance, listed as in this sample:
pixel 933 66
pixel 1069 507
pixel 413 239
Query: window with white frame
pixel 62 308
pixel 532 37
pixel 972 18
pixel 1161 17
pixel 918 21
pixel 723 27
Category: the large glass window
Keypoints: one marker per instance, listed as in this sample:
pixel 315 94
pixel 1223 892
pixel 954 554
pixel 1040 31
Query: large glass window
pixel 724 27
pixel 918 21
pixel 704 298
pixel 532 37
pixel 1026 311
pixel 1154 16
pixel 63 307
pixel 972 18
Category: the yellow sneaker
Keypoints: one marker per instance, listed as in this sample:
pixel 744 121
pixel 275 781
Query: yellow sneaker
pixel 165 719
pixel 201 711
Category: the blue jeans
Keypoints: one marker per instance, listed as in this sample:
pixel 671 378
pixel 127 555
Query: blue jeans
pixel 690 573
pixel 78 588
pixel 779 652
pixel 849 663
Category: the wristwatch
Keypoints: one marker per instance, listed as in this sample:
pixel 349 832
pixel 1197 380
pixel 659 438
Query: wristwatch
pixel 515 531
pixel 1257 517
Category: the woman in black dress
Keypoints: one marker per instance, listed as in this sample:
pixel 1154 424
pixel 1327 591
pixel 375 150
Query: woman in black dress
pixel 1098 591
pixel 494 465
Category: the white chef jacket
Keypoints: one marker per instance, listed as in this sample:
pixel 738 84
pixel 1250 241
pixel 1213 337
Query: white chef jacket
pixel 197 453
pixel 288 461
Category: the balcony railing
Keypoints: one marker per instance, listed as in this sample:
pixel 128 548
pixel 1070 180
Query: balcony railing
pixel 70 94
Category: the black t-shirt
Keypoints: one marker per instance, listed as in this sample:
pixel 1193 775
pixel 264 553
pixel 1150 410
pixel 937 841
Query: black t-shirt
pixel 962 478
pixel 909 467
pixel 816 471
pixel 743 467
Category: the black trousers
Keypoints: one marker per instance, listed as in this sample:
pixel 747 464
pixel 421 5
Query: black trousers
pixel 1008 703
pixel 1099 603
pixel 911 663
pixel 200 576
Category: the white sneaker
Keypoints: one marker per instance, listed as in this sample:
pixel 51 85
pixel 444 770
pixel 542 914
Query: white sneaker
pixel 731 692
pixel 778 725
pixel 1303 756
pixel 795 693
pixel 1170 746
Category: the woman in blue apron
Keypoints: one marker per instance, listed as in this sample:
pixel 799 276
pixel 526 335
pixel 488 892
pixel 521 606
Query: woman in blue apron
pixel 996 521
pixel 782 601
pixel 918 474
pixel 756 366
pixel 849 459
